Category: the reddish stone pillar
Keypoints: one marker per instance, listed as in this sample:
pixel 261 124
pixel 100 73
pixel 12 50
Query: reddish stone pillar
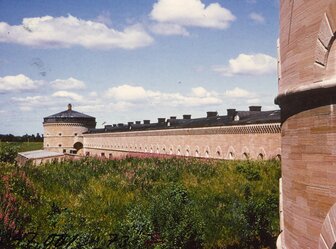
pixel 307 97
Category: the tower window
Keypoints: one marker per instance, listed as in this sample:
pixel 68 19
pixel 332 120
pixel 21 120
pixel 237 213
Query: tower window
pixel 59 145
pixel 75 134
pixel 60 134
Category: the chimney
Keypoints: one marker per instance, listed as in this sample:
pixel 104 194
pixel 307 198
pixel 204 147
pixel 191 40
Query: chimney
pixel 108 126
pixel 137 122
pixel 69 107
pixel 231 113
pixel 173 117
pixel 186 116
pixel 114 125
pixel 211 114
pixel 130 123
pixel 161 120
pixel 120 125
pixel 255 108
pixel 146 121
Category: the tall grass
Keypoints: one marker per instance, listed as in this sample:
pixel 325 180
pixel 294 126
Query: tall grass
pixel 137 203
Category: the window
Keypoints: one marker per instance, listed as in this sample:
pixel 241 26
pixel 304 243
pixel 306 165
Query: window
pixel 207 154
pixel 64 150
pixel 87 153
pixel 60 134
pixel 59 145
pixel 231 155
pixel 110 156
pixel 260 156
pixel 102 154
pixel 75 134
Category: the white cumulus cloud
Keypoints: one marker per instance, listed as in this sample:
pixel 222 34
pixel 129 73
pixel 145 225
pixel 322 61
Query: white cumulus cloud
pixel 257 18
pixel 237 93
pixel 68 95
pixel 48 31
pixel 192 13
pixel 248 64
pixel 66 84
pixel 127 93
pixel 131 94
pixel 18 82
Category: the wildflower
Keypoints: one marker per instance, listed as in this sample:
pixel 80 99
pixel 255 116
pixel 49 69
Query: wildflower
pixel 12 225
pixel 6 220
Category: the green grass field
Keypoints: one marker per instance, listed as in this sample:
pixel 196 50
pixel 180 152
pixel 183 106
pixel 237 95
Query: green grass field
pixel 26 146
pixel 140 203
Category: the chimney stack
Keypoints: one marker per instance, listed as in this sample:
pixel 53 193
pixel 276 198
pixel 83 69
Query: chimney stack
pixel 137 122
pixel 255 108
pixel 69 107
pixel 211 114
pixel 173 117
pixel 130 123
pixel 161 120
pixel 186 116
pixel 231 113
pixel 114 125
pixel 120 125
pixel 146 121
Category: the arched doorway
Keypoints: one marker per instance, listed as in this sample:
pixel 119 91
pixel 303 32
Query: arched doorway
pixel 78 148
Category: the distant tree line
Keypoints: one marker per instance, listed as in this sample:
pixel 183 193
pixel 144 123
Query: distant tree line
pixel 24 138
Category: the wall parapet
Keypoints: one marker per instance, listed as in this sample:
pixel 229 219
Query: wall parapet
pixel 240 129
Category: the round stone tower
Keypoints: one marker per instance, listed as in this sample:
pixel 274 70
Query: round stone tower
pixel 63 132
pixel 307 97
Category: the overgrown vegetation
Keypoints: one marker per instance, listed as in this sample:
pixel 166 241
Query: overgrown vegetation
pixel 140 203
pixel 15 147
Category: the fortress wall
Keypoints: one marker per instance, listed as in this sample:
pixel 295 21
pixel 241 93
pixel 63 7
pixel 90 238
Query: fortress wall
pixel 62 134
pixel 307 97
pixel 237 142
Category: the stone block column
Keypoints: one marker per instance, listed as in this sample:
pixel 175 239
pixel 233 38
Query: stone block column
pixel 307 97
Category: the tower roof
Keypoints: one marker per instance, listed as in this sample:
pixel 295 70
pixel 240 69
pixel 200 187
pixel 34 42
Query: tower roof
pixel 69 116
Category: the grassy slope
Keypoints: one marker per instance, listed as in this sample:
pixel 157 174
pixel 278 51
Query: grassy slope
pixel 232 199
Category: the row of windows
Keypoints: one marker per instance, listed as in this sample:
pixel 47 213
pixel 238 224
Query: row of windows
pixel 60 134
pixel 187 152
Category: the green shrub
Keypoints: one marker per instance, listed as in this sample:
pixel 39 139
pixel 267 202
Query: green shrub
pixel 172 220
pixel 8 152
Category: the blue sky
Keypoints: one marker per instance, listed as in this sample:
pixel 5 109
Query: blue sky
pixel 127 60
